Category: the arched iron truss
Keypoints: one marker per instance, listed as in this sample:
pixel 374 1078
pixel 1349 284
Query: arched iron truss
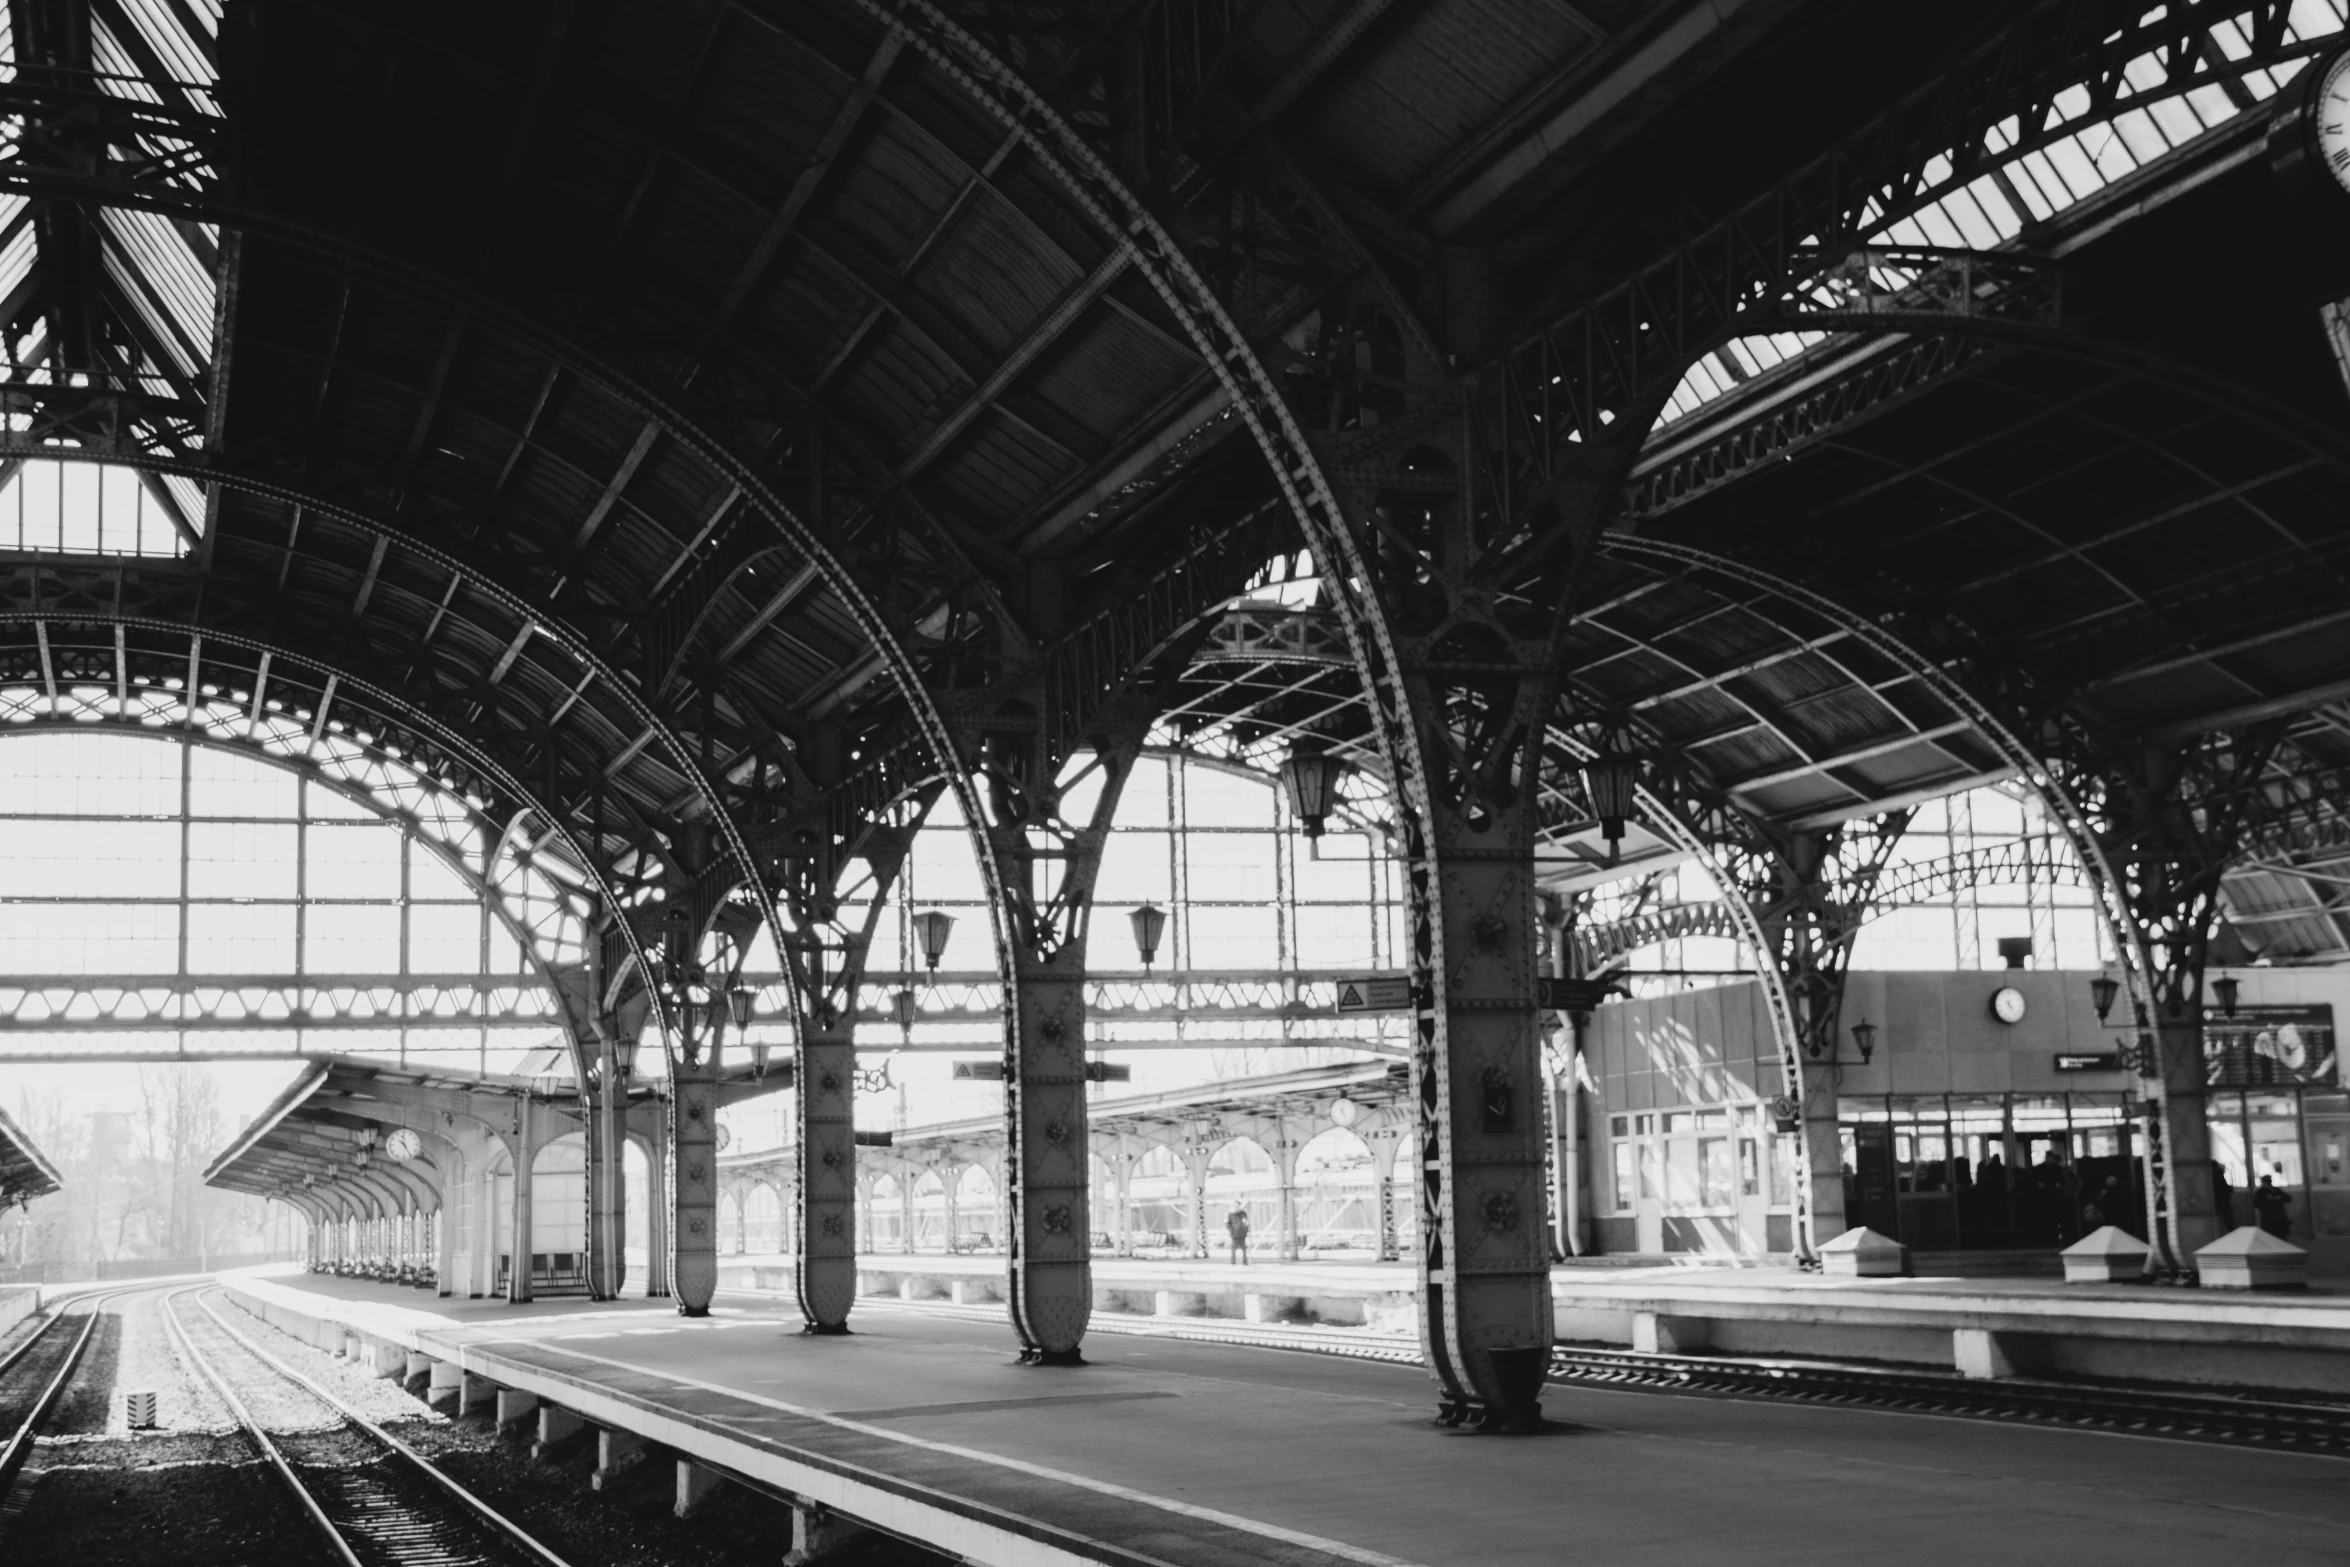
pixel 402 733
pixel 422 808
pixel 106 420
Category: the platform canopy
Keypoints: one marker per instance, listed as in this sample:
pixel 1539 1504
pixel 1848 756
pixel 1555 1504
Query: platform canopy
pixel 25 1172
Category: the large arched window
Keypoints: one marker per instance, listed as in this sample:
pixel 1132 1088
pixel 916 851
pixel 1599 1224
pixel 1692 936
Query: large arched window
pixel 249 888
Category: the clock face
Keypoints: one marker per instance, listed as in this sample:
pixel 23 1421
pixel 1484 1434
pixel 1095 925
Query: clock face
pixel 404 1144
pixel 2007 1004
pixel 2330 114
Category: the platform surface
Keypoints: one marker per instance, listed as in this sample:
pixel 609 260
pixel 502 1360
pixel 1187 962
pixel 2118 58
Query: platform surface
pixel 1186 1453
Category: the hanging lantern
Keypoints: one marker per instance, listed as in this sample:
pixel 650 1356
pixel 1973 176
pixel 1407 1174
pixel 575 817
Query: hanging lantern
pixel 1310 778
pixel 738 1004
pixel 1149 922
pixel 1864 1034
pixel 931 929
pixel 2102 990
pixel 1611 781
pixel 901 1007
pixel 759 1060
pixel 2225 987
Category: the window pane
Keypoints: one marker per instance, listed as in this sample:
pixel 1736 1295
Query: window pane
pixel 444 939
pixel 113 859
pixel 1232 868
pixel 242 860
pixel 351 938
pixel 89 938
pixel 354 861
pixel 240 938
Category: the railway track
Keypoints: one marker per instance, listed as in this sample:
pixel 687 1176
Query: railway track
pixel 35 1374
pixel 2176 1413
pixel 378 1501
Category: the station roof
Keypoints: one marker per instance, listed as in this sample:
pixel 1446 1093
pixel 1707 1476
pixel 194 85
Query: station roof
pixel 25 1173
pixel 327 1126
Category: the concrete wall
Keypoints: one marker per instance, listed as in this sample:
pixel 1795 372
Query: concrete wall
pixel 1711 1046
pixel 17 1302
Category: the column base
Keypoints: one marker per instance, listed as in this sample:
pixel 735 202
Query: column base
pixel 685 1310
pixel 825 1329
pixel 1052 1357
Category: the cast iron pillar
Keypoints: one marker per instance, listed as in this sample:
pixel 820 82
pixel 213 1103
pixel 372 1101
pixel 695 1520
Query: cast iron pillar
pixel 2171 820
pixel 826 951
pixel 1809 892
pixel 693 1154
pixel 1475 652
pixel 1050 790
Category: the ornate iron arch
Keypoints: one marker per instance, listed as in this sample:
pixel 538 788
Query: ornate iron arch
pixel 394 706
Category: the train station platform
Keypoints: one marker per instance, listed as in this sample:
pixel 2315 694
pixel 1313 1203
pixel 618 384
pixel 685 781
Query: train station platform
pixel 1982 1326
pixel 1175 1453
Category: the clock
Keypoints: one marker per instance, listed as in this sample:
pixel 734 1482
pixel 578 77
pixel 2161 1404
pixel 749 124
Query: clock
pixel 2007 1004
pixel 2329 117
pixel 404 1144
pixel 2309 139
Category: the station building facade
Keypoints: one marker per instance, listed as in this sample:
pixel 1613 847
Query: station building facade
pixel 1978 1124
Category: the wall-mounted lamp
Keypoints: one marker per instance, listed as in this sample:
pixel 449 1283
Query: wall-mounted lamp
pixel 931 929
pixel 1149 922
pixel 2225 987
pixel 1611 781
pixel 1311 780
pixel 2102 990
pixel 1864 1034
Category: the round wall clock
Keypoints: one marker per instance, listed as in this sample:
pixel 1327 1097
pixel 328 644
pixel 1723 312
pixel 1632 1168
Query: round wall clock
pixel 2007 1004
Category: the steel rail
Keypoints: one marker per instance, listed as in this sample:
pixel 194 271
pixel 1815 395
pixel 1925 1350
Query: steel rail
pixel 475 1509
pixel 20 1442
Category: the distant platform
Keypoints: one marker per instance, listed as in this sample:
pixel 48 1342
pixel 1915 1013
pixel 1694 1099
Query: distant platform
pixel 1984 1326
pixel 1174 1453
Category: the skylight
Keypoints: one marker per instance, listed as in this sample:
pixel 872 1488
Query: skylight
pixel 80 508
pixel 126 304
pixel 2031 186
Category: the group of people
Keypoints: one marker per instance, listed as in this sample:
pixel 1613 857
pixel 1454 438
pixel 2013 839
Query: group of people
pixel 2272 1205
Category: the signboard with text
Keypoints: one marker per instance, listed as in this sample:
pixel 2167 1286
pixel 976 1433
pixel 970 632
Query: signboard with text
pixel 1375 993
pixel 2269 1047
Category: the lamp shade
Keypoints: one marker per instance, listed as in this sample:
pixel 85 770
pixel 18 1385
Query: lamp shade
pixel 738 1006
pixel 1149 922
pixel 1611 781
pixel 2225 987
pixel 901 1007
pixel 2102 990
pixel 1310 778
pixel 1864 1034
pixel 931 929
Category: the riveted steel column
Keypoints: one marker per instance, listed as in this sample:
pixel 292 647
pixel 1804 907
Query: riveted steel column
pixel 825 1265
pixel 1482 1168
pixel 1051 1272
pixel 525 1150
pixel 607 1142
pixel 2195 1219
pixel 693 1142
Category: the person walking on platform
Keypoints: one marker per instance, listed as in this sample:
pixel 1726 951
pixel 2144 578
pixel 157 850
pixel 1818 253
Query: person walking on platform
pixel 2270 1201
pixel 1236 1226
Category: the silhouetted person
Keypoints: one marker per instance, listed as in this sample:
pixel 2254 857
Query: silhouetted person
pixel 2223 1197
pixel 1236 1226
pixel 2270 1202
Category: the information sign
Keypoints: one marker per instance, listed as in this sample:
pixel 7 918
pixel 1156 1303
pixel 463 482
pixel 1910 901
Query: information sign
pixel 1375 993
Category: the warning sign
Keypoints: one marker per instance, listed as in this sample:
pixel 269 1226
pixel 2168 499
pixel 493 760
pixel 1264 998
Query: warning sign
pixel 1375 993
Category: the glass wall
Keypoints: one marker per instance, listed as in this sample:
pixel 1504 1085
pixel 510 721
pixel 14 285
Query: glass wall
pixel 1701 1178
pixel 1949 1172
